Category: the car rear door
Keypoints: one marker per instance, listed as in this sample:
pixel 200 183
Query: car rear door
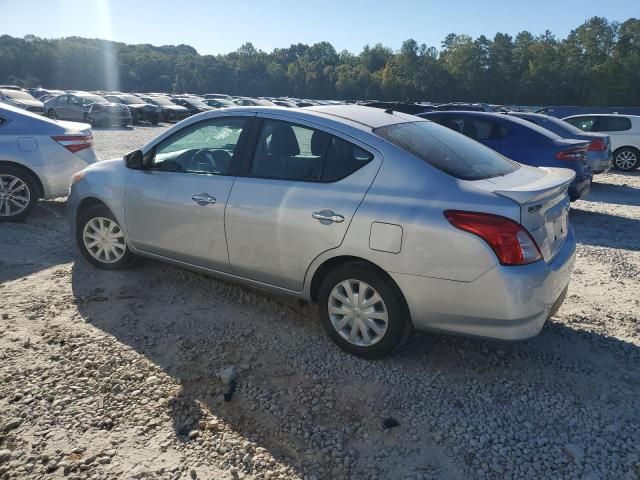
pixel 176 208
pixel 295 200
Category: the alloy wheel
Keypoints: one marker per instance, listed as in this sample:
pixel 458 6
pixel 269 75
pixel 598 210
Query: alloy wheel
pixel 358 313
pixel 104 240
pixel 14 195
pixel 626 160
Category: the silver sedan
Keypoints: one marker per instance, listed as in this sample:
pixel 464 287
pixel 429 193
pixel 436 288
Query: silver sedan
pixel 387 221
pixel 37 158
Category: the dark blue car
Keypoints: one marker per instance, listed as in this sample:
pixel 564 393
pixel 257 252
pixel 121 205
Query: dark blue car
pixel 523 142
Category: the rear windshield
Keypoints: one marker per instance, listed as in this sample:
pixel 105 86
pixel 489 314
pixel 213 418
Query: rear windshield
pixel 17 95
pixel 555 125
pixel 446 150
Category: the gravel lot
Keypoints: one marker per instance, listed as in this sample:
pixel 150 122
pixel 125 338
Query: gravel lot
pixel 117 374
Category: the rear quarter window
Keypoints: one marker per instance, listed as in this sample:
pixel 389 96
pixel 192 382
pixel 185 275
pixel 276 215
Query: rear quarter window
pixel 447 150
pixel 612 124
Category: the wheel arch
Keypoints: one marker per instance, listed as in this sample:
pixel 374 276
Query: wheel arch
pixel 328 265
pixel 29 172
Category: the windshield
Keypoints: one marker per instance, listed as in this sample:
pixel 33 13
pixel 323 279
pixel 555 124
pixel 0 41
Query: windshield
pixel 220 102
pixel 559 127
pixel 87 99
pixel 130 99
pixel 446 150
pixel 17 95
pixel 161 101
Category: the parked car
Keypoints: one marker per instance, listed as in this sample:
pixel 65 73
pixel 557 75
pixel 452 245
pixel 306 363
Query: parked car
pixel 464 107
pixel 523 142
pixel 599 153
pixel 404 107
pixel 141 111
pixel 41 92
pixel 252 102
pixel 219 102
pixel 89 108
pixel 21 99
pixel 171 112
pixel 388 221
pixel 37 158
pixel 11 87
pixel 217 95
pixel 624 131
pixel 193 104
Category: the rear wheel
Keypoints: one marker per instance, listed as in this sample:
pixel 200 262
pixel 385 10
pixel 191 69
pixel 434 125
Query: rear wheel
pixel 626 159
pixel 18 194
pixel 362 311
pixel 89 120
pixel 101 240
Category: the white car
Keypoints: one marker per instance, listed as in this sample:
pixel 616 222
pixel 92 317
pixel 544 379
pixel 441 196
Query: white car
pixel 624 131
pixel 38 156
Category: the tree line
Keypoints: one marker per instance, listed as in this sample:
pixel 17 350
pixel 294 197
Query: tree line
pixel 598 63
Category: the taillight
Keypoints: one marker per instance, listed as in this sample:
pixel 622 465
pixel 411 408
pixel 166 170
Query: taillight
pixel 74 143
pixel 598 145
pixel 509 240
pixel 571 154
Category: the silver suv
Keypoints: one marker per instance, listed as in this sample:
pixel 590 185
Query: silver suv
pixel 387 221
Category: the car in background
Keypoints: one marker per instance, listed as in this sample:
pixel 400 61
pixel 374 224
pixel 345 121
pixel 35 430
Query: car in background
pixel 387 221
pixel 523 142
pixel 39 93
pixel 599 154
pixel 89 108
pixel 21 99
pixel 219 102
pixel 193 104
pixel 217 95
pixel 252 102
pixel 141 111
pixel 404 107
pixel 11 87
pixel 464 107
pixel 624 132
pixel 171 112
pixel 38 156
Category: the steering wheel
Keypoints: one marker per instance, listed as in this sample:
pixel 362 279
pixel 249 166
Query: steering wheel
pixel 204 161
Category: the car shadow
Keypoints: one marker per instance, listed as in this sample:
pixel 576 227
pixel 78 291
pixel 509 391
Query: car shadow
pixel 297 391
pixel 613 193
pixel 605 230
pixel 39 242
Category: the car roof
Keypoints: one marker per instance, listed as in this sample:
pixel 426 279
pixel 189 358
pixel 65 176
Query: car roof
pixel 602 115
pixel 367 116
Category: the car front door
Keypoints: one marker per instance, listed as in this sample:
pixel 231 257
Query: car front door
pixel 176 207
pixel 296 199
pixel 62 109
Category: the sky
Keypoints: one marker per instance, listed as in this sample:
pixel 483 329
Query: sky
pixel 214 27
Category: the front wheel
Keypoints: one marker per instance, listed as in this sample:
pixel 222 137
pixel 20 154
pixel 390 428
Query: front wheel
pixel 52 114
pixel 101 240
pixel 18 194
pixel 626 159
pixel 362 311
pixel 155 119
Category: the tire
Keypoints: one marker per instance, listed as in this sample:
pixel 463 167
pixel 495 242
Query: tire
pixel 87 119
pixel 135 117
pixel 626 159
pixel 385 338
pixel 19 193
pixel 52 114
pixel 155 119
pixel 111 258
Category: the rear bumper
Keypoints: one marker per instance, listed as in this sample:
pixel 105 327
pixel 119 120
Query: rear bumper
pixel 601 163
pixel 579 189
pixel 506 303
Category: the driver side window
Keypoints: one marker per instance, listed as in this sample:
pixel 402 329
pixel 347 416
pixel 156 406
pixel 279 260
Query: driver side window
pixel 206 147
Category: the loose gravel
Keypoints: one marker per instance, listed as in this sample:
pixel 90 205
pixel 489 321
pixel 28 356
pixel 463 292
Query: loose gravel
pixel 158 372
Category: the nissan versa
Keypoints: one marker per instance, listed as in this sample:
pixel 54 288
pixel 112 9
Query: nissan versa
pixel 387 221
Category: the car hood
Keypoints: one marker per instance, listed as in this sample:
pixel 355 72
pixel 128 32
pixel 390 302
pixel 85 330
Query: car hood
pixel 176 108
pixel 27 103
pixel 107 166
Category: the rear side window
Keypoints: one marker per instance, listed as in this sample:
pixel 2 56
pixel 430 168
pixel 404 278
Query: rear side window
pixel 447 150
pixel 612 124
pixel 583 123
pixel 2 121
pixel 289 151
pixel 471 127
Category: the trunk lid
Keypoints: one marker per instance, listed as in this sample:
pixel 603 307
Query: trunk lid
pixel 544 202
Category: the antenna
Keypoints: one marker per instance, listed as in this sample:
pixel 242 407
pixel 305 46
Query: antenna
pixel 395 105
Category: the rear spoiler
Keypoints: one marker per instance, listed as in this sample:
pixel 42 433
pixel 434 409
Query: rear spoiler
pixel 555 182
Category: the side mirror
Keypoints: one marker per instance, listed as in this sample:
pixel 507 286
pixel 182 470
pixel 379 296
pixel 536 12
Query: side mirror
pixel 137 161
pixel 134 160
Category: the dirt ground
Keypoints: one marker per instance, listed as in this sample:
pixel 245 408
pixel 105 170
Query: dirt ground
pixel 108 375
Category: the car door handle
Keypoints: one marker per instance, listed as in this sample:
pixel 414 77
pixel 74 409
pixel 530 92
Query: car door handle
pixel 328 216
pixel 203 199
